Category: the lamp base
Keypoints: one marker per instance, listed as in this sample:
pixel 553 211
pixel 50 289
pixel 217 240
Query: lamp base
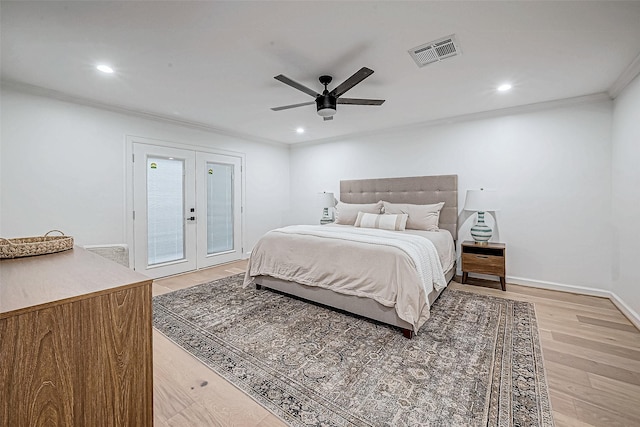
pixel 481 232
pixel 326 218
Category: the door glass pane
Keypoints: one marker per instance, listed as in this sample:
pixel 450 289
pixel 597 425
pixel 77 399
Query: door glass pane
pixel 219 207
pixel 165 210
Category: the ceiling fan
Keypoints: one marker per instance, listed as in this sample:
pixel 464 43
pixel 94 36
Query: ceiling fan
pixel 327 101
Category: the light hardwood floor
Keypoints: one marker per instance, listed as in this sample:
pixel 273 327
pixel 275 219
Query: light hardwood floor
pixel 591 356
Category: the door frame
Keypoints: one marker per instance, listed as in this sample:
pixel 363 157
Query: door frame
pixel 129 184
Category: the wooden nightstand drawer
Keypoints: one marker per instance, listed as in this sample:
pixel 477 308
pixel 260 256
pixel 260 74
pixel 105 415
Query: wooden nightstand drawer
pixel 484 264
pixel 484 259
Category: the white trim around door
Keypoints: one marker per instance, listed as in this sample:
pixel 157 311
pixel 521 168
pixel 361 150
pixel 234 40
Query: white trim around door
pixel 185 206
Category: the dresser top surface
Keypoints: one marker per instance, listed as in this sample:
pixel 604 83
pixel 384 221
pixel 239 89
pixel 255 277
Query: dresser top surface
pixel 32 283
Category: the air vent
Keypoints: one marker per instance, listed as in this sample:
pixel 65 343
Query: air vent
pixel 435 51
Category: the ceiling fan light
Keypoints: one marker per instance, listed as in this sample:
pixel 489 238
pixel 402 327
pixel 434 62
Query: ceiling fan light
pixel 326 112
pixel 105 69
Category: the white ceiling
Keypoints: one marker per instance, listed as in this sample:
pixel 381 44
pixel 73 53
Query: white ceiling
pixel 213 62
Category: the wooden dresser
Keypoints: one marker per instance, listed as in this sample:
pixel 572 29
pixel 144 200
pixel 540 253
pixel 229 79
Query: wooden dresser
pixel 75 342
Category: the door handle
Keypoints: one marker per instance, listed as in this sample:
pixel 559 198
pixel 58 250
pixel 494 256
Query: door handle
pixel 191 218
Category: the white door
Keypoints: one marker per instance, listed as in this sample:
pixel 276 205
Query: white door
pixel 187 210
pixel 218 201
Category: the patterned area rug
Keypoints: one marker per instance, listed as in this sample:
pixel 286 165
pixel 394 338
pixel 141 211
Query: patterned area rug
pixel 476 362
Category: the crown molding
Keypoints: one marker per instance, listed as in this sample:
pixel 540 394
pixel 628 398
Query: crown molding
pixel 61 96
pixel 625 78
pixel 520 109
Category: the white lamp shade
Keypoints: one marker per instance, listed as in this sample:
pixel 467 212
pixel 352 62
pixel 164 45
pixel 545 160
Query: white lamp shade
pixel 327 200
pixel 482 200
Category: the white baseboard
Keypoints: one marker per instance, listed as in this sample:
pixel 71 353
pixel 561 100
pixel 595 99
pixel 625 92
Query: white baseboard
pixel 615 299
pixel 559 287
pixel 626 310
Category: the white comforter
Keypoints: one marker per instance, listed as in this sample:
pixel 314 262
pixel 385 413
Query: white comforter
pixel 394 268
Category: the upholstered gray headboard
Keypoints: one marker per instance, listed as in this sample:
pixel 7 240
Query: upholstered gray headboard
pixel 419 190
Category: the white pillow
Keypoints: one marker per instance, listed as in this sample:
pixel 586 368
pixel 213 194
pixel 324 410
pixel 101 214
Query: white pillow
pixel 384 222
pixel 421 217
pixel 346 213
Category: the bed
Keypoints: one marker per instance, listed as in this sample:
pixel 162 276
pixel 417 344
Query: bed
pixel 394 288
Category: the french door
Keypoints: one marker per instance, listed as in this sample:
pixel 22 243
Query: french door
pixel 187 209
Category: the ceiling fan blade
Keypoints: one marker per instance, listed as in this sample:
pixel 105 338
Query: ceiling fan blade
pixel 328 118
pixel 356 101
pixel 288 81
pixel 286 107
pixel 356 78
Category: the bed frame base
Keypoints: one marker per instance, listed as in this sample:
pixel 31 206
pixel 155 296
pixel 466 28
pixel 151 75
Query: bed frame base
pixel 364 307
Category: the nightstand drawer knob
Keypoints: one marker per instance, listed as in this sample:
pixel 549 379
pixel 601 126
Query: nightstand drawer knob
pixel 482 256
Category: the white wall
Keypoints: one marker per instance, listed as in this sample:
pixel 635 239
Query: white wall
pixel 626 196
pixel 552 168
pixel 1 186
pixel 63 167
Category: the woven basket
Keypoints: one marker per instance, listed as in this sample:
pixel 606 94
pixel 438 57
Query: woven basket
pixel 30 246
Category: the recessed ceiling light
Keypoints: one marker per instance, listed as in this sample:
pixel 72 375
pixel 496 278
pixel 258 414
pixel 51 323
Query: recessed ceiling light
pixel 504 87
pixel 105 69
pixel 300 130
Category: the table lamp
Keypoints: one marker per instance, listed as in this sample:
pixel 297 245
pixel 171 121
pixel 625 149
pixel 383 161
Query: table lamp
pixel 327 201
pixel 481 201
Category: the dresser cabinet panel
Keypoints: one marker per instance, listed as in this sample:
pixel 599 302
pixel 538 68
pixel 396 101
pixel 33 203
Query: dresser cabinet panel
pixel 82 361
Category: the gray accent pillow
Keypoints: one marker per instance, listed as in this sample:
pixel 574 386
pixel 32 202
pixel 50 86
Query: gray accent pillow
pixel 347 213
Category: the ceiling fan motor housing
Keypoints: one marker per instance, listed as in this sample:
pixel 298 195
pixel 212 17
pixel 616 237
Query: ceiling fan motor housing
pixel 326 105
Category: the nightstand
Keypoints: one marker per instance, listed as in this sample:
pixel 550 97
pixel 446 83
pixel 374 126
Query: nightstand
pixel 484 259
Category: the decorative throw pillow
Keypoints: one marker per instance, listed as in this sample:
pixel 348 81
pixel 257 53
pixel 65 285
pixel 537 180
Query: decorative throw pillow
pixel 346 213
pixel 421 217
pixel 384 222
